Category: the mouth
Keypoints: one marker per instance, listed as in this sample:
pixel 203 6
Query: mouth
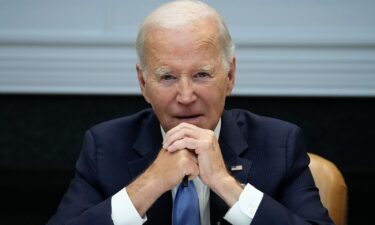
pixel 194 119
pixel 187 117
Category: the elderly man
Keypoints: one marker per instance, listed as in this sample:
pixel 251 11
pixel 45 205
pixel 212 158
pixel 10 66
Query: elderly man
pixel 242 168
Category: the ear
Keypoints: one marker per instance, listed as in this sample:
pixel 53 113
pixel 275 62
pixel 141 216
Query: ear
pixel 231 76
pixel 142 82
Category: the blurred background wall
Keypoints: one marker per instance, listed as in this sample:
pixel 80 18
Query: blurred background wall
pixel 67 65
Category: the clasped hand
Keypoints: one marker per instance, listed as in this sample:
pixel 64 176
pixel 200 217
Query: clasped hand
pixel 191 151
pixel 187 151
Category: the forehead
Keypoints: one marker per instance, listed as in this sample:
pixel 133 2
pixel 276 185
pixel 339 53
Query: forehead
pixel 183 41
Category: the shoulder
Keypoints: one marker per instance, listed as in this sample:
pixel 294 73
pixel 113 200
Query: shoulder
pixel 130 124
pixel 274 138
pixel 248 120
pixel 260 130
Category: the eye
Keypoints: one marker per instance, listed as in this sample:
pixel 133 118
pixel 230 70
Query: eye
pixel 167 77
pixel 202 75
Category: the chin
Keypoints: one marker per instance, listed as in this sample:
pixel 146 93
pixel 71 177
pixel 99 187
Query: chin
pixel 197 121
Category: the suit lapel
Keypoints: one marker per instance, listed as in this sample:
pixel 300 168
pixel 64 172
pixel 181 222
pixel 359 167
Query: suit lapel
pixel 147 146
pixel 232 143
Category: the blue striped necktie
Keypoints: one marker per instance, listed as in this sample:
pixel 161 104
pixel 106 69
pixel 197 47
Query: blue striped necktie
pixel 186 206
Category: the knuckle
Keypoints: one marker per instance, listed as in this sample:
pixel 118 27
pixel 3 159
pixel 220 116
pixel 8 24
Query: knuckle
pixel 184 157
pixel 211 135
pixel 206 143
pixel 182 125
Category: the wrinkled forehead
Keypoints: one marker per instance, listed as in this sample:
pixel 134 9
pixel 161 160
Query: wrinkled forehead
pixel 196 35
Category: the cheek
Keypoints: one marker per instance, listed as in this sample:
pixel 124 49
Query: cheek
pixel 216 97
pixel 213 97
pixel 161 99
pixel 220 87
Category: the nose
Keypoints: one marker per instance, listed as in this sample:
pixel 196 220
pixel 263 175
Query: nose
pixel 185 93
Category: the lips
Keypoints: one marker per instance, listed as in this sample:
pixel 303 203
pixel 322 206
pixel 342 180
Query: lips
pixel 193 119
pixel 196 119
pixel 187 117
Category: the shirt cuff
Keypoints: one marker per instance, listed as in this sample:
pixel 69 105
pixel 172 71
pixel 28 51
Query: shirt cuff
pixel 243 211
pixel 123 210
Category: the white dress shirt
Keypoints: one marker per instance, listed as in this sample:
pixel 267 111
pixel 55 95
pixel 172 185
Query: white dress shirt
pixel 241 213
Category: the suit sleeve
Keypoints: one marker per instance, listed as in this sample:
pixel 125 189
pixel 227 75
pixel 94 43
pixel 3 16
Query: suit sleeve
pixel 84 203
pixel 298 202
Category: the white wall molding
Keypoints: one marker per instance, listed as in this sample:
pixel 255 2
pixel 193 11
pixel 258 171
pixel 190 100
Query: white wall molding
pixel 107 67
pixel 303 49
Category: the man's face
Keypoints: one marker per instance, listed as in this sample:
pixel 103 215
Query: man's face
pixel 186 78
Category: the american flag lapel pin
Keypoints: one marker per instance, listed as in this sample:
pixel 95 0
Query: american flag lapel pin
pixel 236 168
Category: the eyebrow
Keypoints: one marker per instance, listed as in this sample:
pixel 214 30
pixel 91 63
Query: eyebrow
pixel 161 71
pixel 206 68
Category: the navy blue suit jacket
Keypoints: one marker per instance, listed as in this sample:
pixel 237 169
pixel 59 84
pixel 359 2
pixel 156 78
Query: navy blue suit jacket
pixel 272 154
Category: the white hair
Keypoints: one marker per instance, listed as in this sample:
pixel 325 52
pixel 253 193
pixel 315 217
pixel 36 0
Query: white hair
pixel 177 13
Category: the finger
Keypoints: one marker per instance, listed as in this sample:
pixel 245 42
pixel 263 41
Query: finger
pixel 173 133
pixel 189 165
pixel 179 127
pixel 192 177
pixel 193 172
pixel 185 143
pixel 180 134
pixel 192 156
